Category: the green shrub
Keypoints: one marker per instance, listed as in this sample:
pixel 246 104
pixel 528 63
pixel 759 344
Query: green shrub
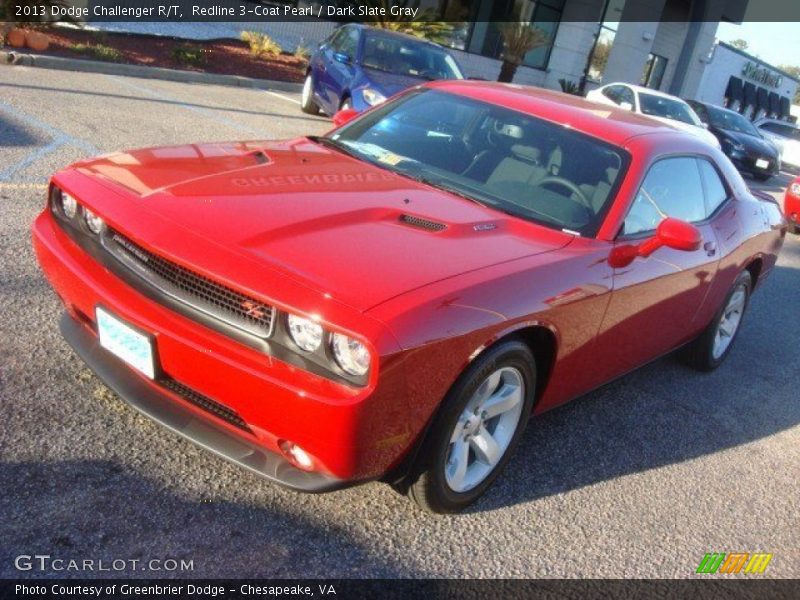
pixel 261 44
pixel 98 51
pixel 186 54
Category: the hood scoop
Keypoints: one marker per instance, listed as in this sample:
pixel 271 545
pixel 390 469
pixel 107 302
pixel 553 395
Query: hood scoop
pixel 422 223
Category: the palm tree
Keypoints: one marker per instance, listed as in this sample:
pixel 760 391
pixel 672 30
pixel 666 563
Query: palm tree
pixel 518 39
pixel 423 26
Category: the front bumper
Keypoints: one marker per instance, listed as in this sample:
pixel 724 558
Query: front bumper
pixel 747 163
pixel 159 406
pixel 354 434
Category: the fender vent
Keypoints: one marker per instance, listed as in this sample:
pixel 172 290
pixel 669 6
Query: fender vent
pixel 422 223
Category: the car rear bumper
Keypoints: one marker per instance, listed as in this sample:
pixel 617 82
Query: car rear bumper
pixel 157 403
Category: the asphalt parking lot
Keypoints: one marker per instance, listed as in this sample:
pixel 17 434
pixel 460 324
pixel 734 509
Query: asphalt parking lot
pixel 638 479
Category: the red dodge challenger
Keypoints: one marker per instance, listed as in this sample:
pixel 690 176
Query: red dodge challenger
pixel 394 299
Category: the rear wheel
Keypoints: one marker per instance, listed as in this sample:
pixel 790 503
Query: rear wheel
pixel 709 350
pixel 307 103
pixel 477 429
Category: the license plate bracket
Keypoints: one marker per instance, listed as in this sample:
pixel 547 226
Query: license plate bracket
pixel 130 344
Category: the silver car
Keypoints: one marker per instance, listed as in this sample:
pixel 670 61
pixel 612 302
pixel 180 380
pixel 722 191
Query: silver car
pixel 785 135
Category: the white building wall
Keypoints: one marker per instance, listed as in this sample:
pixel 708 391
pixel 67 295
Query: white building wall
pixel 718 70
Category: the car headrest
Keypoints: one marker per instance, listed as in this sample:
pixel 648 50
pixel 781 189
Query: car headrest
pixel 611 174
pixel 526 153
pixel 509 130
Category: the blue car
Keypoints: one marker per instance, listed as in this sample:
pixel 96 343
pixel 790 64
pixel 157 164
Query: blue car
pixel 360 66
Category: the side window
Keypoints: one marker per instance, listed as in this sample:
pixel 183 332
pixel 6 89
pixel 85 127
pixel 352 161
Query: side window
pixel 701 112
pixel 672 188
pixel 612 93
pixel 626 95
pixel 716 193
pixel 336 39
pixel 348 43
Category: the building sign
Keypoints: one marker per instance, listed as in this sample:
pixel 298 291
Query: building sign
pixel 761 74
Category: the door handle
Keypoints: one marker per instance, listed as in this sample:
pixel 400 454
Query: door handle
pixel 710 248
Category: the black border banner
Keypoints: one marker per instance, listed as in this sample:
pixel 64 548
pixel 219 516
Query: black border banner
pixel 372 10
pixel 390 589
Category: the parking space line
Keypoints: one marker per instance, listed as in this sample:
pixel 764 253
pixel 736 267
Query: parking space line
pixel 282 97
pixel 58 138
pixel 22 186
pixel 48 128
pixel 203 111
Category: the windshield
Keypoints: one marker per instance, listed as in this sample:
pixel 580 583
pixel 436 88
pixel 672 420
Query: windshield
pixel 731 121
pixel 407 57
pixel 669 108
pixel 511 161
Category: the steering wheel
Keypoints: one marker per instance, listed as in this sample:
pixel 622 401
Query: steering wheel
pixel 566 183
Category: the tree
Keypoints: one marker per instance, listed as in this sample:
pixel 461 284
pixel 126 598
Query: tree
pixel 423 26
pixel 518 39
pixel 740 44
pixel 794 71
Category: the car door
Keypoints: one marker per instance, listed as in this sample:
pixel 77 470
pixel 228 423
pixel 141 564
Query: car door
pixel 341 68
pixel 321 66
pixel 656 301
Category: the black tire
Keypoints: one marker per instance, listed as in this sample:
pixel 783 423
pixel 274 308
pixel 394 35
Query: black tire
pixel 699 354
pixel 307 104
pixel 428 483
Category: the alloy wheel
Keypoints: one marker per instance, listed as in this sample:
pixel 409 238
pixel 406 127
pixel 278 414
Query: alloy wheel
pixel 485 429
pixel 729 322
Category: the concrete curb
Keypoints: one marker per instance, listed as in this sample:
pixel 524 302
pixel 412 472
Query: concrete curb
pixel 94 66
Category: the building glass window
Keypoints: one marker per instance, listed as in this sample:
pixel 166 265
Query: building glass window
pixel 544 15
pixel 605 40
pixel 654 71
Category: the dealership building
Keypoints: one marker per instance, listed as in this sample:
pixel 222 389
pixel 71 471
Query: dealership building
pixel 669 45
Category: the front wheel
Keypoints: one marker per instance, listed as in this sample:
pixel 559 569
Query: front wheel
pixel 476 430
pixel 307 103
pixel 708 351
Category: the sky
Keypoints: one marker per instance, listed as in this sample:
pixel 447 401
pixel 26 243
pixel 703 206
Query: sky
pixel 776 43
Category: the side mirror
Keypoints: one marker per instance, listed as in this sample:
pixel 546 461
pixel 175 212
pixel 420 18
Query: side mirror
pixel 344 116
pixel 626 106
pixel 670 233
pixel 341 57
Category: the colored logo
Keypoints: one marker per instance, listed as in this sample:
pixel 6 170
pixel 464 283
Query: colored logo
pixel 734 562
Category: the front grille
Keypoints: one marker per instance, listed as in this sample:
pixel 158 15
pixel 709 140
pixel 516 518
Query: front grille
pixel 422 223
pixel 206 403
pixel 193 289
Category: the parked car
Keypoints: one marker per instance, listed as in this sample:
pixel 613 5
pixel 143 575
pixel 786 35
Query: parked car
pixel 791 205
pixel 740 140
pixel 785 136
pixel 658 105
pixel 394 299
pixel 360 66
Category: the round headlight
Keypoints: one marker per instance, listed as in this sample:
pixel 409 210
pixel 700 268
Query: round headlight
pixel 69 206
pixel 794 189
pixel 93 222
pixel 351 354
pixel 305 333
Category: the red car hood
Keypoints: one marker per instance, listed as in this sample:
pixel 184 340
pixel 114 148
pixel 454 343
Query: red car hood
pixel 340 225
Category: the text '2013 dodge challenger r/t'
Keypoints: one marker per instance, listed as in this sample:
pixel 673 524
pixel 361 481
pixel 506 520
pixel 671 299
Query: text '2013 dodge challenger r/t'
pixel 394 299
